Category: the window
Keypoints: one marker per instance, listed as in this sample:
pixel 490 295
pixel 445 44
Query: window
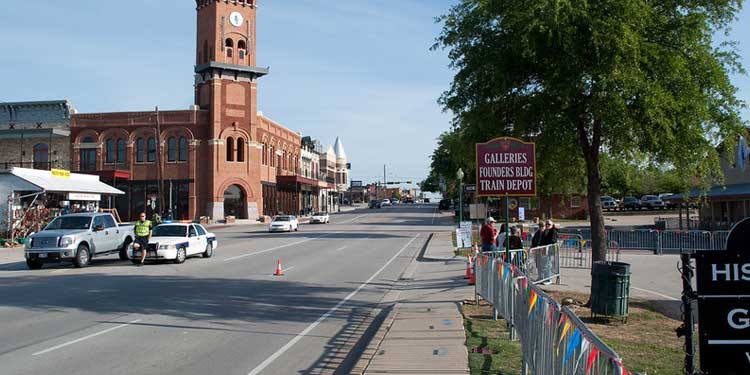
pixel 575 201
pixel 241 47
pixel 109 222
pixel 151 149
pixel 191 231
pixel 240 149
pixel 120 150
pixel 140 153
pixel 171 149
pixel 88 156
pixel 41 156
pixel 201 231
pixel 183 149
pixel 271 156
pixel 99 221
pixel 230 149
pixel 229 44
pixel 110 150
pixel 264 155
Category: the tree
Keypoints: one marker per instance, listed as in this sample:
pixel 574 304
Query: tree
pixel 582 78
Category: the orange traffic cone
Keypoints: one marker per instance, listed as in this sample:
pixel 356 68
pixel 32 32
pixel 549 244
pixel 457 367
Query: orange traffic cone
pixel 472 276
pixel 468 267
pixel 279 271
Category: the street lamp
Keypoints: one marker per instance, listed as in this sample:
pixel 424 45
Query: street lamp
pixel 460 176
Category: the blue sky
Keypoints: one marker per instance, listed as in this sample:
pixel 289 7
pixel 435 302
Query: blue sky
pixel 361 70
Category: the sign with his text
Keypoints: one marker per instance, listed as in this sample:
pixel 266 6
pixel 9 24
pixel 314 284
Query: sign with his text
pixel 506 166
pixel 723 280
pixel 463 235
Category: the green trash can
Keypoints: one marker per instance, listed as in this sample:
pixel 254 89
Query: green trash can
pixel 610 289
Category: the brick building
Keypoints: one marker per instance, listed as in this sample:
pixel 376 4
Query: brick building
pixel 219 158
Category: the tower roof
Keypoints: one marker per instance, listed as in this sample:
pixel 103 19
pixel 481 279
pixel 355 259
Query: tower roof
pixel 338 148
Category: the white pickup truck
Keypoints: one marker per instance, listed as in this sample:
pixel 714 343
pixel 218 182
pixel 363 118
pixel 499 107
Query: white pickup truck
pixel 78 238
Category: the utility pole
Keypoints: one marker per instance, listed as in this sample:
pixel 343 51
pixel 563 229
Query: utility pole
pixel 159 165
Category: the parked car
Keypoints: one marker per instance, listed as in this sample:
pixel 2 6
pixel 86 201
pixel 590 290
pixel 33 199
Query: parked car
pixel 284 223
pixel 652 202
pixel 177 242
pixel 408 200
pixel 78 238
pixel 631 203
pixel 385 202
pixel 445 204
pixel 320 218
pixel 374 203
pixel 668 203
pixel 395 201
pixel 609 203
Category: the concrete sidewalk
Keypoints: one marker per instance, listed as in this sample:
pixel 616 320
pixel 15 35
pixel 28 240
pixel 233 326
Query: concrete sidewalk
pixel 424 333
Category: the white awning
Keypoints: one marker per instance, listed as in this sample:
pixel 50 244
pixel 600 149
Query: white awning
pixel 72 183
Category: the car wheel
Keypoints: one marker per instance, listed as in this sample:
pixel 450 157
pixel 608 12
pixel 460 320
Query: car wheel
pixel 181 255
pixel 83 257
pixel 124 249
pixel 209 250
pixel 34 264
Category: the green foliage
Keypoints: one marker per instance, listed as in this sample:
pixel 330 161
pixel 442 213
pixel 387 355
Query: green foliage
pixel 628 78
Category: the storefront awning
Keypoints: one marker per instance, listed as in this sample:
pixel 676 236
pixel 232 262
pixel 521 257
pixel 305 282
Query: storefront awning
pixel 716 193
pixel 63 181
pixel 296 180
pixel 34 133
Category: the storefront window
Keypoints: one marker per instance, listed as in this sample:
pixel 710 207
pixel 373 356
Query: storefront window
pixel 41 156
pixel 88 156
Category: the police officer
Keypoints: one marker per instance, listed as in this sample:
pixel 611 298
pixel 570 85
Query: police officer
pixel 142 235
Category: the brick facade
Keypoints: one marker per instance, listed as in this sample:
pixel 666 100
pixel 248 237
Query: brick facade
pixel 26 127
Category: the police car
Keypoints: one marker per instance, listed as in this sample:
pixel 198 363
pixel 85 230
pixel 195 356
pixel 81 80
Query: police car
pixel 177 242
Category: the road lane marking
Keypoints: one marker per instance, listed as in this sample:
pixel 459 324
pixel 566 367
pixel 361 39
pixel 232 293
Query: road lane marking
pixel 278 247
pixel 342 248
pixel 45 351
pixel 328 313
pixel 350 220
pixel 655 293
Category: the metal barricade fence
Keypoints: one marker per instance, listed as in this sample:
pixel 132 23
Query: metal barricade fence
pixel 694 240
pixel 543 263
pixel 575 251
pixel 553 339
pixel 719 239
pixel 633 239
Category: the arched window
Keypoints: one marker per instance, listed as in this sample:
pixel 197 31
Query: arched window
pixel 110 151
pixel 240 149
pixel 271 153
pixel 88 156
pixel 183 149
pixel 283 160
pixel 263 155
pixel 241 48
pixel 171 149
pixel 120 150
pixel 229 44
pixel 230 149
pixel 140 150
pixel 41 156
pixel 151 149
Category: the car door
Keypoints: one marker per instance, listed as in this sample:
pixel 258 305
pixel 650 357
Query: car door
pixel 203 236
pixel 194 241
pixel 112 233
pixel 101 237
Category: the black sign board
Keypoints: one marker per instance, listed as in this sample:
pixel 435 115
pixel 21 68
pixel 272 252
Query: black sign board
pixel 723 279
pixel 470 188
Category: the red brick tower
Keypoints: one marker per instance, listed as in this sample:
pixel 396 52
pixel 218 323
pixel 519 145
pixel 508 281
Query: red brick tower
pixel 225 85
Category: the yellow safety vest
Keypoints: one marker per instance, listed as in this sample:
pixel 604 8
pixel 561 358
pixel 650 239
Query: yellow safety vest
pixel 142 228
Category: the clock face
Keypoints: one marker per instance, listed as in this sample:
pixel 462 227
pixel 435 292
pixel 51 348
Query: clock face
pixel 236 19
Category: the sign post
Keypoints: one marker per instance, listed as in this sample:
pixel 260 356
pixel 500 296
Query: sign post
pixel 506 167
pixel 723 280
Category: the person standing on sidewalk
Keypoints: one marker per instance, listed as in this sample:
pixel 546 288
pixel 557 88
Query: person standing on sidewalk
pixel 536 239
pixel 488 234
pixel 549 238
pixel 142 235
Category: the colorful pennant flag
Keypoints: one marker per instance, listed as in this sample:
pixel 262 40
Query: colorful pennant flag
pixel 590 360
pixel 584 346
pixel 575 339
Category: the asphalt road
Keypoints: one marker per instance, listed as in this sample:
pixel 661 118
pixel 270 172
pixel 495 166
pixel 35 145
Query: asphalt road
pixel 223 315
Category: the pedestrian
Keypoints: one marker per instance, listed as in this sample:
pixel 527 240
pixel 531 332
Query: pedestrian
pixel 501 237
pixel 536 239
pixel 514 240
pixel 488 235
pixel 550 233
pixel 142 235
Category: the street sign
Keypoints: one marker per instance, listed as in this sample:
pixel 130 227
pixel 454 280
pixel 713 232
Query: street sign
pixel 470 188
pixel 463 235
pixel 723 281
pixel 506 167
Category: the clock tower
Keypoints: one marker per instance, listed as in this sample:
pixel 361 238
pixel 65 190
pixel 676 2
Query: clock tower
pixel 226 87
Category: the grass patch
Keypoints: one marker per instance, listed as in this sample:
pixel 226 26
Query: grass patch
pixel 501 356
pixel 647 343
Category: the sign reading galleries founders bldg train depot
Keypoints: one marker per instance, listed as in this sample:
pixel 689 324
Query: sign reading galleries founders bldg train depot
pixel 506 167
